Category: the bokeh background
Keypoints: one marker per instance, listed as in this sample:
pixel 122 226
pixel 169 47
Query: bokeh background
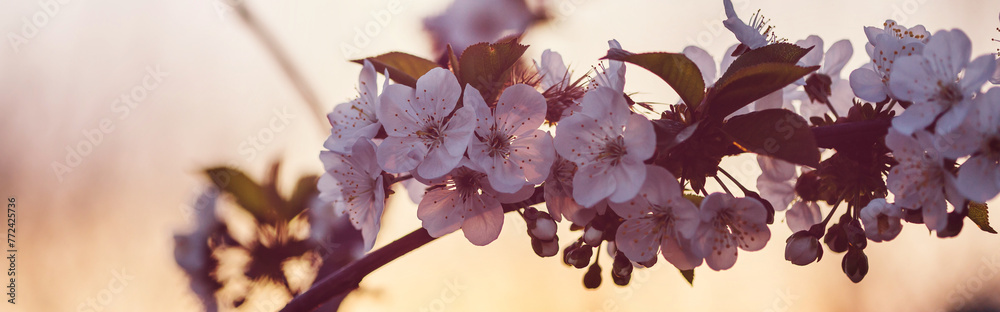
pixel 115 212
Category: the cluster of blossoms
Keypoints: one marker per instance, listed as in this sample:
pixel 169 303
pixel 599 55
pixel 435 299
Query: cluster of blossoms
pixel 476 149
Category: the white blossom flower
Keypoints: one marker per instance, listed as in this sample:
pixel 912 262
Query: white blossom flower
pixel 803 215
pixel 467 22
pixel 709 68
pixel 754 35
pixel 562 95
pixel 871 82
pixel 881 220
pixel 508 144
pixel 776 182
pixel 658 218
pixel 354 184
pixel 357 118
pixel 920 180
pixel 728 222
pixel 558 192
pixel 936 84
pixel 613 76
pixel 463 199
pixel 421 135
pixel 609 144
pixel 979 136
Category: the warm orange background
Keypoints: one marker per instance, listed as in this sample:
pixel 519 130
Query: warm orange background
pixel 119 208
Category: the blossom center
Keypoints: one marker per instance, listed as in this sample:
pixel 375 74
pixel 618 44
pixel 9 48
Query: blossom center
pixel 991 148
pixel 431 134
pixel 466 183
pixel 949 93
pixel 613 150
pixel 499 144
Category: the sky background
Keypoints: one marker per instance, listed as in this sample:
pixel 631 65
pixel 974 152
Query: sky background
pixel 116 211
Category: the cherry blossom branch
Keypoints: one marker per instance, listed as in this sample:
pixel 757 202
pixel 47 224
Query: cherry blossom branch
pixel 838 135
pixel 348 277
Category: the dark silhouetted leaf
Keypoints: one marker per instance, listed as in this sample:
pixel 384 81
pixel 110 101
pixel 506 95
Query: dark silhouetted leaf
pixel 777 133
pixel 748 85
pixel 248 194
pixel 978 213
pixel 674 68
pixel 403 68
pixel 304 192
pixel 786 53
pixel 689 276
pixel 487 66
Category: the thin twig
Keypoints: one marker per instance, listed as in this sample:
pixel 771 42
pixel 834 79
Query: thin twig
pixel 285 62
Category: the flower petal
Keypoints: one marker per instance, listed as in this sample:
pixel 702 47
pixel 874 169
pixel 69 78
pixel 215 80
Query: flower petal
pixel 587 188
pixel 520 110
pixel 483 220
pixel 815 56
pixel 704 62
pixel 977 179
pixel 436 94
pixel 458 132
pixel 437 163
pixel 867 85
pixel 836 57
pixel 639 239
pixel 439 212
pixel 629 175
pixel 401 154
pixel 534 153
pixel 640 138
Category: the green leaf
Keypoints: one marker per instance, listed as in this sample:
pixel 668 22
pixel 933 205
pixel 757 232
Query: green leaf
pixel 403 68
pixel 694 199
pixel 305 190
pixel 487 66
pixel 978 214
pixel 674 68
pixel 784 52
pixel 778 133
pixel 689 276
pixel 748 85
pixel 248 194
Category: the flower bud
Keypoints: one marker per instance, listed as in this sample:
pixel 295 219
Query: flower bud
pixel 545 227
pixel 855 264
pixel 580 257
pixel 803 248
pixel 592 279
pixel 836 238
pixel 622 267
pixel 545 248
pixel 592 236
pixel 855 234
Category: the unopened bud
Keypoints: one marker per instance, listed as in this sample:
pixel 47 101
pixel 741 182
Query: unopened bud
pixel 580 257
pixel 803 248
pixel 593 236
pixel 855 264
pixel 545 228
pixel 622 267
pixel 547 248
pixel 592 279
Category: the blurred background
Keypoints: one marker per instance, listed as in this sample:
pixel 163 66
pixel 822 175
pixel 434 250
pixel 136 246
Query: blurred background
pixel 163 89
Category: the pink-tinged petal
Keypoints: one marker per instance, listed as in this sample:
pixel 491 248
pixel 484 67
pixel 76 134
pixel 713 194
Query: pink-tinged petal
pixel 629 174
pixel 774 169
pixel 977 73
pixel 754 233
pixel 560 203
pixel 364 153
pixel 915 117
pixel 872 33
pixel 836 57
pixel 977 179
pixel 520 110
pixel 744 33
pixel 534 153
pixel 504 175
pixel 911 79
pixel 936 215
pixel 520 195
pixel 949 52
pixel 591 184
pixel 842 97
pixel 867 85
pixel 727 59
pixel 458 132
pixel 678 252
pixel 440 212
pixel 633 208
pixel 640 138
pixel 401 154
pixel 437 163
pixel 396 110
pixel 638 239
pixel 347 123
pixel 607 105
pixel 554 69
pixel 479 155
pixel 802 216
pixel 372 222
pixel 436 94
pixel 772 100
pixel 704 61
pixel 483 220
pixel 367 83
pixel 902 145
pixel 779 194
pixel 574 137
pixel 660 187
pixel 815 56
pixel 716 245
pixel 987 109
pixel 415 190
pixel 995 79
pixel 953 118
pixel 484 116
pixel 962 141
